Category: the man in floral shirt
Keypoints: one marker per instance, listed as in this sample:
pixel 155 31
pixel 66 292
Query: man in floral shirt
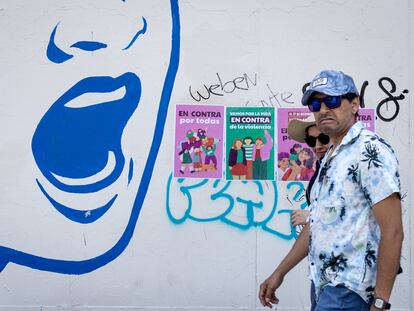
pixel 355 233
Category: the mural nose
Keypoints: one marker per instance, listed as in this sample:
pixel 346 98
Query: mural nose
pixel 72 143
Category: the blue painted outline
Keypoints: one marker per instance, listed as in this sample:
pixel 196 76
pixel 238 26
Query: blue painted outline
pixel 89 46
pixel 140 32
pixel 53 52
pixel 83 217
pixel 8 255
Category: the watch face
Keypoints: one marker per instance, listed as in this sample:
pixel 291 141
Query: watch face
pixel 379 303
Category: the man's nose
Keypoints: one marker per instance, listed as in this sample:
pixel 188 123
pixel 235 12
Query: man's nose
pixel 324 108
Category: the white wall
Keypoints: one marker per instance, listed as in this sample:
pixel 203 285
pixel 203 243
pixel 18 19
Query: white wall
pixel 174 255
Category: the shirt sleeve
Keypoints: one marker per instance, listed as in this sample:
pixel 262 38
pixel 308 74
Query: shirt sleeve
pixel 379 173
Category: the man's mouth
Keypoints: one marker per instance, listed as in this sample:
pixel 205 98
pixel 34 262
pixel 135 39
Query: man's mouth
pixel 326 120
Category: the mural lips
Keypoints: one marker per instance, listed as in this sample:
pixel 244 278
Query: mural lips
pixel 76 143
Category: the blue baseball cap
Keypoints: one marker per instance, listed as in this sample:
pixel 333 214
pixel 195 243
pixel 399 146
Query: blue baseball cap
pixel 330 82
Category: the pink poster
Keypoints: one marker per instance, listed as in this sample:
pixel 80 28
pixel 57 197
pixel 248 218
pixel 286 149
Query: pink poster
pixel 290 150
pixel 198 144
pixel 367 116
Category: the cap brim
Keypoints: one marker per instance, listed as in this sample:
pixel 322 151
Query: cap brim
pixel 308 93
pixel 297 129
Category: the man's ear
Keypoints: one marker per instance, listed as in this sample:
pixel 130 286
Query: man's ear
pixel 355 105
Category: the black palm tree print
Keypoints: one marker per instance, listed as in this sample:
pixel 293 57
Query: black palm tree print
pixel 371 154
pixel 331 188
pixel 385 143
pixel 370 258
pixel 353 172
pixel 332 263
pixel 367 195
pixel 370 293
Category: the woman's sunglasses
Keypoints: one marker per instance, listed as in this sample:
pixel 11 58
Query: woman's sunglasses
pixel 311 140
pixel 331 102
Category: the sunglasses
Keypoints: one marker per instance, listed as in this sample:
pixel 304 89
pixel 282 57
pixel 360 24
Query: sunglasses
pixel 311 140
pixel 332 102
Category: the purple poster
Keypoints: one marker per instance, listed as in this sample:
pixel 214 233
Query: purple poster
pixel 198 145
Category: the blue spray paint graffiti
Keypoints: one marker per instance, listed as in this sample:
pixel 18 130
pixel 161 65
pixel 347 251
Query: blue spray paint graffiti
pixel 96 157
pixel 244 205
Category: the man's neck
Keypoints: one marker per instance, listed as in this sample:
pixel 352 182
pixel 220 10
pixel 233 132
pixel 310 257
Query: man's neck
pixel 337 139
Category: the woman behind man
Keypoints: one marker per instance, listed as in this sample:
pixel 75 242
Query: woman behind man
pixel 308 132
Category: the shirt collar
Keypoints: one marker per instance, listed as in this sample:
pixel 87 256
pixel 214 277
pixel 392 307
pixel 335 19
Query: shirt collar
pixel 349 138
pixel 353 133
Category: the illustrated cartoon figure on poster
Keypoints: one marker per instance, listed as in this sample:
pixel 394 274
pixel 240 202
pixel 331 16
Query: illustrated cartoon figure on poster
pixel 198 162
pixel 248 146
pixel 209 148
pixel 294 155
pixel 237 160
pixel 282 164
pixel 261 153
pixel 186 147
pixel 304 169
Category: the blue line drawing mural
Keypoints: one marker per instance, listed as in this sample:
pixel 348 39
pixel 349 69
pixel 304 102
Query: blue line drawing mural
pixel 139 32
pixel 89 46
pixel 243 205
pixel 53 52
pixel 78 150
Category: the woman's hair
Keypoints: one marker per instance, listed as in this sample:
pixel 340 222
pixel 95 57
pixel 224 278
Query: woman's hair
pixel 292 150
pixel 309 163
pixel 247 137
pixel 236 140
pixel 282 155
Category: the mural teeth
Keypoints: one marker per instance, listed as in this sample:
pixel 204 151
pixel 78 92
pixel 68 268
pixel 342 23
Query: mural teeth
pixel 91 99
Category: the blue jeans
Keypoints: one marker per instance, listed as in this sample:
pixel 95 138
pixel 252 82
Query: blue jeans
pixel 312 296
pixel 340 298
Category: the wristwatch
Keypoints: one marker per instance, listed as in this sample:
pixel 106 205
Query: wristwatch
pixel 381 304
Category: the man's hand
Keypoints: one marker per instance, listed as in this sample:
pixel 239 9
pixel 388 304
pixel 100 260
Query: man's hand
pixel 267 290
pixel 300 217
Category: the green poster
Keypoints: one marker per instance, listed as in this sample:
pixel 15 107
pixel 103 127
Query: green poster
pixel 250 148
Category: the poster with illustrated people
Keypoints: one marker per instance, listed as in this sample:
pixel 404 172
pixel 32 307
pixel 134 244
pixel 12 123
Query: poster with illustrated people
pixel 295 161
pixel 250 136
pixel 198 145
pixel 297 158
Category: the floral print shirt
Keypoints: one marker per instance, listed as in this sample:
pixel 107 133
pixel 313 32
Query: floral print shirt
pixel 344 235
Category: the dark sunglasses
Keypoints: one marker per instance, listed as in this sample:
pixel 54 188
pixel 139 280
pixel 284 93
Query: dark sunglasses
pixel 331 102
pixel 311 140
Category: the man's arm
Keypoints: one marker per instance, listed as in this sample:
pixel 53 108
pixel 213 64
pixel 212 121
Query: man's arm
pixel 388 215
pixel 298 251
